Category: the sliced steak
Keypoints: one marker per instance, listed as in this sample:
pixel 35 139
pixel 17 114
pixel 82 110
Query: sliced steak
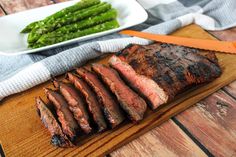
pixel 173 68
pixel 140 83
pixel 68 123
pixel 76 104
pixel 93 105
pixel 58 137
pixel 111 107
pixel 130 101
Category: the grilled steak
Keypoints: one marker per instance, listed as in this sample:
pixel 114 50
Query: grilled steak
pixel 130 101
pixel 140 83
pixel 76 104
pixel 68 123
pixel 157 72
pixel 173 68
pixel 91 99
pixel 110 107
pixel 50 122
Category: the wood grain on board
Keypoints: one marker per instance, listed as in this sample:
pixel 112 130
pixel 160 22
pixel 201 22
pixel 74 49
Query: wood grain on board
pixel 13 6
pixel 231 89
pixel 213 123
pixel 22 133
pixel 166 140
pixel 227 35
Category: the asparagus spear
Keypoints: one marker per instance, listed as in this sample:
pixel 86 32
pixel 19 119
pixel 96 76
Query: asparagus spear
pixel 111 14
pixel 49 39
pixel 29 27
pixel 35 34
pixel 78 6
pixel 35 45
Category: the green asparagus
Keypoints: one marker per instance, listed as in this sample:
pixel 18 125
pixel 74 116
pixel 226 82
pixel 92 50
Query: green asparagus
pixel 35 34
pixel 111 14
pixel 29 27
pixel 78 6
pixel 49 39
pixel 35 45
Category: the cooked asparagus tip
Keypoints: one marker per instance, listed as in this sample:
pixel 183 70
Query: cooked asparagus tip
pixel 29 27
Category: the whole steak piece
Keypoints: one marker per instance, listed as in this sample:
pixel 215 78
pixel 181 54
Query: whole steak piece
pixel 173 68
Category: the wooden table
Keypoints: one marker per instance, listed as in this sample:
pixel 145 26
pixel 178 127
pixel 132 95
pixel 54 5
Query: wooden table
pixel 206 129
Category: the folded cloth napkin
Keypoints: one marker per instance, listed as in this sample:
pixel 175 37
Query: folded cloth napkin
pixel 19 73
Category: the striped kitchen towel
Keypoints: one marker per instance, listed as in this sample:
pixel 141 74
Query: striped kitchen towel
pixel 19 73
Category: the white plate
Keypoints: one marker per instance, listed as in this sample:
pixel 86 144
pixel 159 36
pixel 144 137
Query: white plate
pixel 12 42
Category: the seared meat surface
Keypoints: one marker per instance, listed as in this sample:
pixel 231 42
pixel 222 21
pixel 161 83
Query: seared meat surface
pixel 94 106
pixel 173 68
pixel 68 123
pixel 130 101
pixel 145 86
pixel 111 107
pixel 76 104
pixel 50 122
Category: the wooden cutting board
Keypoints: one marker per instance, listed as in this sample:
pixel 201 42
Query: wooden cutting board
pixel 22 133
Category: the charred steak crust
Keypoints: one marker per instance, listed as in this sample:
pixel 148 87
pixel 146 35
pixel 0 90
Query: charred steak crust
pixel 93 105
pixel 173 68
pixel 58 137
pixel 68 123
pixel 76 104
pixel 111 107
pixel 130 101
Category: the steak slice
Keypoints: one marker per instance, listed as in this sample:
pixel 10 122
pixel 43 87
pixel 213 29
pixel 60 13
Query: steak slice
pixel 173 68
pixel 140 83
pixel 130 101
pixel 58 137
pixel 91 99
pixel 76 104
pixel 68 123
pixel 111 107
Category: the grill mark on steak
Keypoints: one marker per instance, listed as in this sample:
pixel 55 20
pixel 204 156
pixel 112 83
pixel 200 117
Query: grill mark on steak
pixel 173 68
pixel 76 104
pixel 91 99
pixel 68 123
pixel 130 101
pixel 141 84
pixel 58 137
pixel 111 107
